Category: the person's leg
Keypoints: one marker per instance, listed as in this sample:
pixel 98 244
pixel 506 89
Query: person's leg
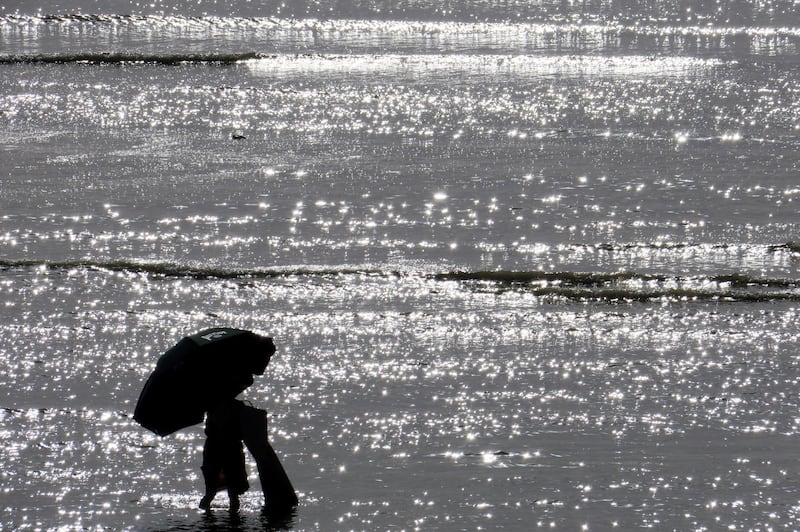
pixel 226 453
pixel 278 491
pixel 235 472
pixel 208 497
pixel 211 468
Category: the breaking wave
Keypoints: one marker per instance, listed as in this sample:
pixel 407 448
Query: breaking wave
pixel 125 57
pixel 168 269
pixel 585 35
pixel 631 286
pixel 611 287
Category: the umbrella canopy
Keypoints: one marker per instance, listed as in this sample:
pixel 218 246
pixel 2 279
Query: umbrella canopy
pixel 196 373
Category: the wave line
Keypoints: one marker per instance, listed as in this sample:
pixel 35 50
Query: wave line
pixel 169 269
pixel 584 286
pixel 130 57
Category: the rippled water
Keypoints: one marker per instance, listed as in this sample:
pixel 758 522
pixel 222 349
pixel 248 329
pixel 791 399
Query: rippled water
pixel 403 401
pixel 526 266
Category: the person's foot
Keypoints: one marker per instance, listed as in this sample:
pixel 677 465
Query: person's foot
pixel 282 503
pixel 205 502
pixel 280 516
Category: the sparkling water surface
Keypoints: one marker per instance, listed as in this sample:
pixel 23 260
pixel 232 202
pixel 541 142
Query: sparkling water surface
pixel 526 267
pixel 405 402
pixel 527 163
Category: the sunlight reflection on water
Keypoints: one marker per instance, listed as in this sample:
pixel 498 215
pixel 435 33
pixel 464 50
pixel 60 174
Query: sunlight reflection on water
pixel 520 275
pixel 639 132
pixel 494 409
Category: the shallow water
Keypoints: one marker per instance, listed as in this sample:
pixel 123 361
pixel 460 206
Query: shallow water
pixel 526 267
pixel 400 401
pixel 528 163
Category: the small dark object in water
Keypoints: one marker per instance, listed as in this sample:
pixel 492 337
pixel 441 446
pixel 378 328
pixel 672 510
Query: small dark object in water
pixel 237 136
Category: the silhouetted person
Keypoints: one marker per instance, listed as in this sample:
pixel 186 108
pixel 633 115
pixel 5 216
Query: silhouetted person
pixel 200 377
pixel 229 424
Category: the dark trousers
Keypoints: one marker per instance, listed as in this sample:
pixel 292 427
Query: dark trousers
pixel 229 424
pixel 223 455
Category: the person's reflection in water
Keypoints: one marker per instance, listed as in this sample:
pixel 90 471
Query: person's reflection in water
pixel 266 521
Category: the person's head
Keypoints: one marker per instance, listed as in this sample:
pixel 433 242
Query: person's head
pixel 265 348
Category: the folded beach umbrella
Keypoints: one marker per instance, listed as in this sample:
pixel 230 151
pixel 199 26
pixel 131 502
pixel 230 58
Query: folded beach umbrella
pixel 198 371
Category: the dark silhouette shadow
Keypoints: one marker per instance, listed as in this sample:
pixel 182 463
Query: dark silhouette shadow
pixel 200 377
pixel 263 521
pixel 230 424
pixel 216 520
